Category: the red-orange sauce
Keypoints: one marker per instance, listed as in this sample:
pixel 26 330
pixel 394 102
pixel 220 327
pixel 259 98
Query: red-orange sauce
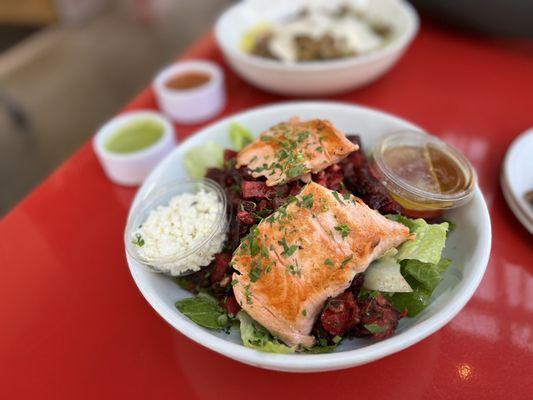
pixel 188 80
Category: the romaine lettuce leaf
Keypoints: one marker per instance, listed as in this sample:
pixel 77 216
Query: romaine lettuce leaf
pixel 423 278
pixel 413 302
pixel 204 310
pixel 428 275
pixel 198 159
pixel 428 244
pixel 421 263
pixel 321 349
pixel 256 337
pixel 239 136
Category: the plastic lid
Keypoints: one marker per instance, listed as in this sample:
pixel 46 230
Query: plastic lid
pixel 422 172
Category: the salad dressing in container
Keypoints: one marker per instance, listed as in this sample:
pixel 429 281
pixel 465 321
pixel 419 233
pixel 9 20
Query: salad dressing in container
pixel 422 173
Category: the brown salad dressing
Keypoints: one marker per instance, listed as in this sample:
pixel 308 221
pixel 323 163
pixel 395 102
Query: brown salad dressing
pixel 188 80
pixel 427 167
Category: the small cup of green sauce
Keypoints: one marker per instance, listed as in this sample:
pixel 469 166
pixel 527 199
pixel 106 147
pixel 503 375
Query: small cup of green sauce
pixel 130 145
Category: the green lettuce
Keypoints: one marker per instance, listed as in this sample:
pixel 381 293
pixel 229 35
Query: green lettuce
pixel 256 337
pixel 198 159
pixel 428 244
pixel 423 279
pixel 239 136
pixel 421 263
pixel 204 310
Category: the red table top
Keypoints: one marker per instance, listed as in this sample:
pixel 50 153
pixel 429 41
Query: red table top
pixel 74 324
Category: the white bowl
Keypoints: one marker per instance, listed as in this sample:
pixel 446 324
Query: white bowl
pixel 191 106
pixel 468 246
pixel 318 78
pixel 130 169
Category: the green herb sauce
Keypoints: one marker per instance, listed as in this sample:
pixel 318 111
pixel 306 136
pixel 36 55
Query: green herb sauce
pixel 135 136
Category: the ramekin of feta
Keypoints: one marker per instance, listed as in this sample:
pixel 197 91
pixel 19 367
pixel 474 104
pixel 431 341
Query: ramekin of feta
pixel 178 228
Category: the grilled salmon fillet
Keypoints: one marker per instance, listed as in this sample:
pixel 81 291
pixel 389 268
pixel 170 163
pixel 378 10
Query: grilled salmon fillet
pixel 306 252
pixel 291 149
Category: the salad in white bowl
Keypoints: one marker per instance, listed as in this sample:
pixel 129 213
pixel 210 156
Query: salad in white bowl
pixel 315 48
pixel 319 257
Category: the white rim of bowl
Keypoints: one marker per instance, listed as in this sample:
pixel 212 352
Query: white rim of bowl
pixel 394 46
pixel 506 166
pixel 215 72
pixel 329 361
pixel 115 123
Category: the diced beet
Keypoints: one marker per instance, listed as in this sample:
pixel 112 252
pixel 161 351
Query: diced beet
pixel 231 305
pixel 378 312
pixel 222 261
pixel 340 314
pixel 331 177
pixel 295 188
pixel 246 173
pixel 256 189
pixel 282 190
pixel 229 154
pixel 247 205
pixel 362 181
pixel 246 217
pixel 357 284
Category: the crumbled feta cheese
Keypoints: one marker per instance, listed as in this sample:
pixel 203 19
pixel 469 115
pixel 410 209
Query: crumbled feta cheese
pixel 173 230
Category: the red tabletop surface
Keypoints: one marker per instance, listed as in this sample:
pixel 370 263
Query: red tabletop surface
pixel 74 324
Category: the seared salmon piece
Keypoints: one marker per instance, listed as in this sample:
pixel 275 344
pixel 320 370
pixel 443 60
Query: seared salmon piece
pixel 291 149
pixel 306 252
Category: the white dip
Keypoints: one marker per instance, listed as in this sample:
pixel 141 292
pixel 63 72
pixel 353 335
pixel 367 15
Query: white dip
pixel 171 231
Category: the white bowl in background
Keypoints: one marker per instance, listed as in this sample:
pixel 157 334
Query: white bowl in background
pixel 130 169
pixel 468 246
pixel 317 78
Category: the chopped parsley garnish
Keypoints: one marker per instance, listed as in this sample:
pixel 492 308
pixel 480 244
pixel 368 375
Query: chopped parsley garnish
pixel 328 261
pixel 325 207
pixel 234 282
pixel 304 312
pixel 253 245
pixel 346 261
pixel 336 195
pixel 287 250
pixel 293 269
pixel 269 266
pixel 248 294
pixel 307 201
pixel 343 229
pixel 375 328
pixel 336 339
pixel 295 171
pixel 346 196
pixel 138 241
pixel 255 272
pixel 289 158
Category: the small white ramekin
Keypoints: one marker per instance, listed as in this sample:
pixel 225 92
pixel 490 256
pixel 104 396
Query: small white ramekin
pixel 130 169
pixel 190 106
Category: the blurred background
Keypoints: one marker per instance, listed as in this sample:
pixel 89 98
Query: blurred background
pixel 66 66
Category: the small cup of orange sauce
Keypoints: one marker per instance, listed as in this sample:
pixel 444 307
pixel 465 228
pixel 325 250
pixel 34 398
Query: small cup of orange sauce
pixel 190 91
pixel 423 173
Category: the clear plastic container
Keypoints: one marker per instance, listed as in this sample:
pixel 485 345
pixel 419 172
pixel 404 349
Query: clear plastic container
pixel 200 252
pixel 422 172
